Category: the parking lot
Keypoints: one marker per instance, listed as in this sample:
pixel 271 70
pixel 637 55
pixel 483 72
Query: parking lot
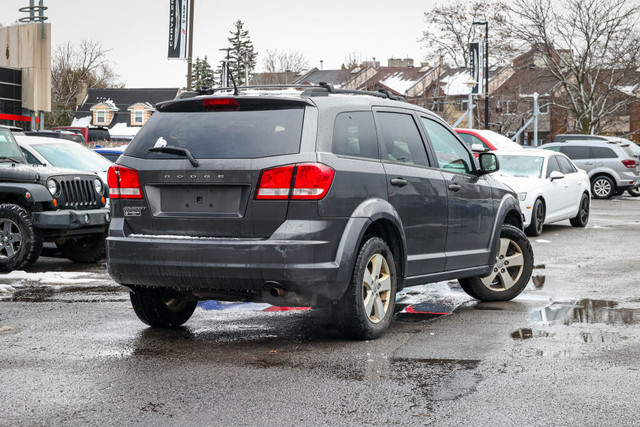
pixel 563 353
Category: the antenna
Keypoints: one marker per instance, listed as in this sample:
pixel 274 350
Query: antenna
pixel 230 74
pixel 32 10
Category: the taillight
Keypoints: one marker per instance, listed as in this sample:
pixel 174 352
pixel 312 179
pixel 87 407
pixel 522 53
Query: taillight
pixel 275 183
pixel 123 183
pixel 312 182
pixel 629 163
pixel 220 104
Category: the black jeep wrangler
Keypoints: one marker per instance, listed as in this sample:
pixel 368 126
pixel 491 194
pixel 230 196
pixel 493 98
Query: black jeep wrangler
pixel 40 204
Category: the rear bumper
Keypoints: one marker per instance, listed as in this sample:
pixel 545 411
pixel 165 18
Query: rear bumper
pixel 314 263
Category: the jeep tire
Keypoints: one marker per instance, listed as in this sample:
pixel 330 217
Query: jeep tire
pixel 20 241
pixel 162 307
pixel 510 273
pixel 365 310
pixel 85 249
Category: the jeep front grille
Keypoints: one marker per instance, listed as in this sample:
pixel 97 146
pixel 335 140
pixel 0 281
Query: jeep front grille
pixel 78 194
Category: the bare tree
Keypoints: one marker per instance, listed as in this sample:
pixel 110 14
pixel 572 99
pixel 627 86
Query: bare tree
pixel 450 29
pixel 279 61
pixel 590 47
pixel 71 69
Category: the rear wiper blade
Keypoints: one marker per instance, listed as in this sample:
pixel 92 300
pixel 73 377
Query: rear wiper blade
pixel 176 150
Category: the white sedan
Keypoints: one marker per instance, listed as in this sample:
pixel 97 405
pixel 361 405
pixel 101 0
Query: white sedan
pixel 549 186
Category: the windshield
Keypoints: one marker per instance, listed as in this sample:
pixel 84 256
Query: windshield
pixel 521 166
pixel 9 146
pixel 73 156
pixel 222 135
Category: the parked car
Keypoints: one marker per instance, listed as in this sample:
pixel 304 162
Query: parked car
pixel 39 204
pixel 111 153
pixel 90 133
pixel 15 130
pixel 612 167
pixel 580 137
pixel 322 200
pixel 550 187
pixel 479 140
pixel 62 153
pixel 71 136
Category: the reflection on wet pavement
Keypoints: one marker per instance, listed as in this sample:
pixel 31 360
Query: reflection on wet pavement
pixel 586 311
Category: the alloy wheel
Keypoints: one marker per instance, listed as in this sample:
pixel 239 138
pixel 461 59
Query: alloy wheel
pixel 508 267
pixel 10 239
pixel 602 187
pixel 376 288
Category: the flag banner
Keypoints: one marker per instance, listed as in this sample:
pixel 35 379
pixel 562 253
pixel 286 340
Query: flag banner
pixel 477 71
pixel 178 31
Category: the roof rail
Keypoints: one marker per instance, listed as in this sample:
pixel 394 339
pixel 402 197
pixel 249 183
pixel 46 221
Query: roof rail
pixel 321 89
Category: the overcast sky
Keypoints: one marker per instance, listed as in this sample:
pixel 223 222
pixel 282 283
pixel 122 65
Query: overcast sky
pixel 136 31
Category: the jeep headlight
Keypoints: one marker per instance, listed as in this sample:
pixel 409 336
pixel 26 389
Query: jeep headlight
pixel 97 184
pixel 52 185
pixel 522 196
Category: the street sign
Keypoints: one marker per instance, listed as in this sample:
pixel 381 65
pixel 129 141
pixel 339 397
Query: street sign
pixel 178 28
pixel 477 71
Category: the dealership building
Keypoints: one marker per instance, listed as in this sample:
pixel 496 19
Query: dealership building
pixel 25 75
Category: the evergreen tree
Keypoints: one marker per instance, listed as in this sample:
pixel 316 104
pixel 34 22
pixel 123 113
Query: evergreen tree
pixel 202 74
pixel 242 57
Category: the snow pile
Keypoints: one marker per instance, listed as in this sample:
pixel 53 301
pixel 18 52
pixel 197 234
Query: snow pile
pixel 457 84
pixel 54 277
pixel 627 90
pixel 122 130
pixel 398 83
pixel 82 121
pixel 440 292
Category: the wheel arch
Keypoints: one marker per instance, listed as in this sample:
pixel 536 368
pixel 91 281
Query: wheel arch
pixel 508 213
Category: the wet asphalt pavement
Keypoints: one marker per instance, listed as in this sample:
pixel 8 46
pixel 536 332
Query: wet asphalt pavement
pixel 565 352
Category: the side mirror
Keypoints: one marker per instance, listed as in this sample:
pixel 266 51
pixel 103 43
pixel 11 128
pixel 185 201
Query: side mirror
pixel 488 163
pixel 478 148
pixel 556 175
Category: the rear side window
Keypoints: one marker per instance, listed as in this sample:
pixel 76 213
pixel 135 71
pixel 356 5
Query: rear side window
pixel 575 152
pixel 401 139
pixel 603 153
pixel 354 134
pixel 222 135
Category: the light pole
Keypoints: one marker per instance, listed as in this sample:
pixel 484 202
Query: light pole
pixel 190 47
pixel 225 68
pixel 486 71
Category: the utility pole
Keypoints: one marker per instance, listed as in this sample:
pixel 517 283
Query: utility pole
pixel 486 71
pixel 190 47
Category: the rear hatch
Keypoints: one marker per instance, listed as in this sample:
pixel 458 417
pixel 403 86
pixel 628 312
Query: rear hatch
pixel 206 161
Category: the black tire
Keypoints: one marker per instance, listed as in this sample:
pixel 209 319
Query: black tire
pixel 603 187
pixel 365 310
pixel 162 307
pixel 85 249
pixel 20 240
pixel 511 271
pixel 537 219
pixel 582 218
pixel 633 192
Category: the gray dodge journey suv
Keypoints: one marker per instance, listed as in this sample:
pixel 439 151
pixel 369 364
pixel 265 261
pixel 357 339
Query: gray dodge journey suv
pixel 324 198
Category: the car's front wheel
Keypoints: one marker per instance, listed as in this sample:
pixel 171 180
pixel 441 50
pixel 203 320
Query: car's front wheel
pixel 582 218
pixel 20 240
pixel 537 219
pixel 84 249
pixel 603 187
pixel 162 307
pixel 511 270
pixel 365 310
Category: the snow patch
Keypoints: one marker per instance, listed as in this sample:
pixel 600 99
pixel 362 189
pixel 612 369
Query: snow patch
pixel 57 277
pixel 122 130
pixel 457 84
pixel 82 121
pixel 543 241
pixel 398 83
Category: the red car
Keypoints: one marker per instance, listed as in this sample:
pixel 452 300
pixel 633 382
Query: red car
pixel 488 139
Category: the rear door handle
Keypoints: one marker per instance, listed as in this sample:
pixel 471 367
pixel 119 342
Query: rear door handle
pixel 399 182
pixel 454 187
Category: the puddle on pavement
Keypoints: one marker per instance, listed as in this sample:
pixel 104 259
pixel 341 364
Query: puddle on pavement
pixel 586 311
pixel 527 333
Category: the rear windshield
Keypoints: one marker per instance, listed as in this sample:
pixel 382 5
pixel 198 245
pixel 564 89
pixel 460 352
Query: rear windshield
pixel 221 135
